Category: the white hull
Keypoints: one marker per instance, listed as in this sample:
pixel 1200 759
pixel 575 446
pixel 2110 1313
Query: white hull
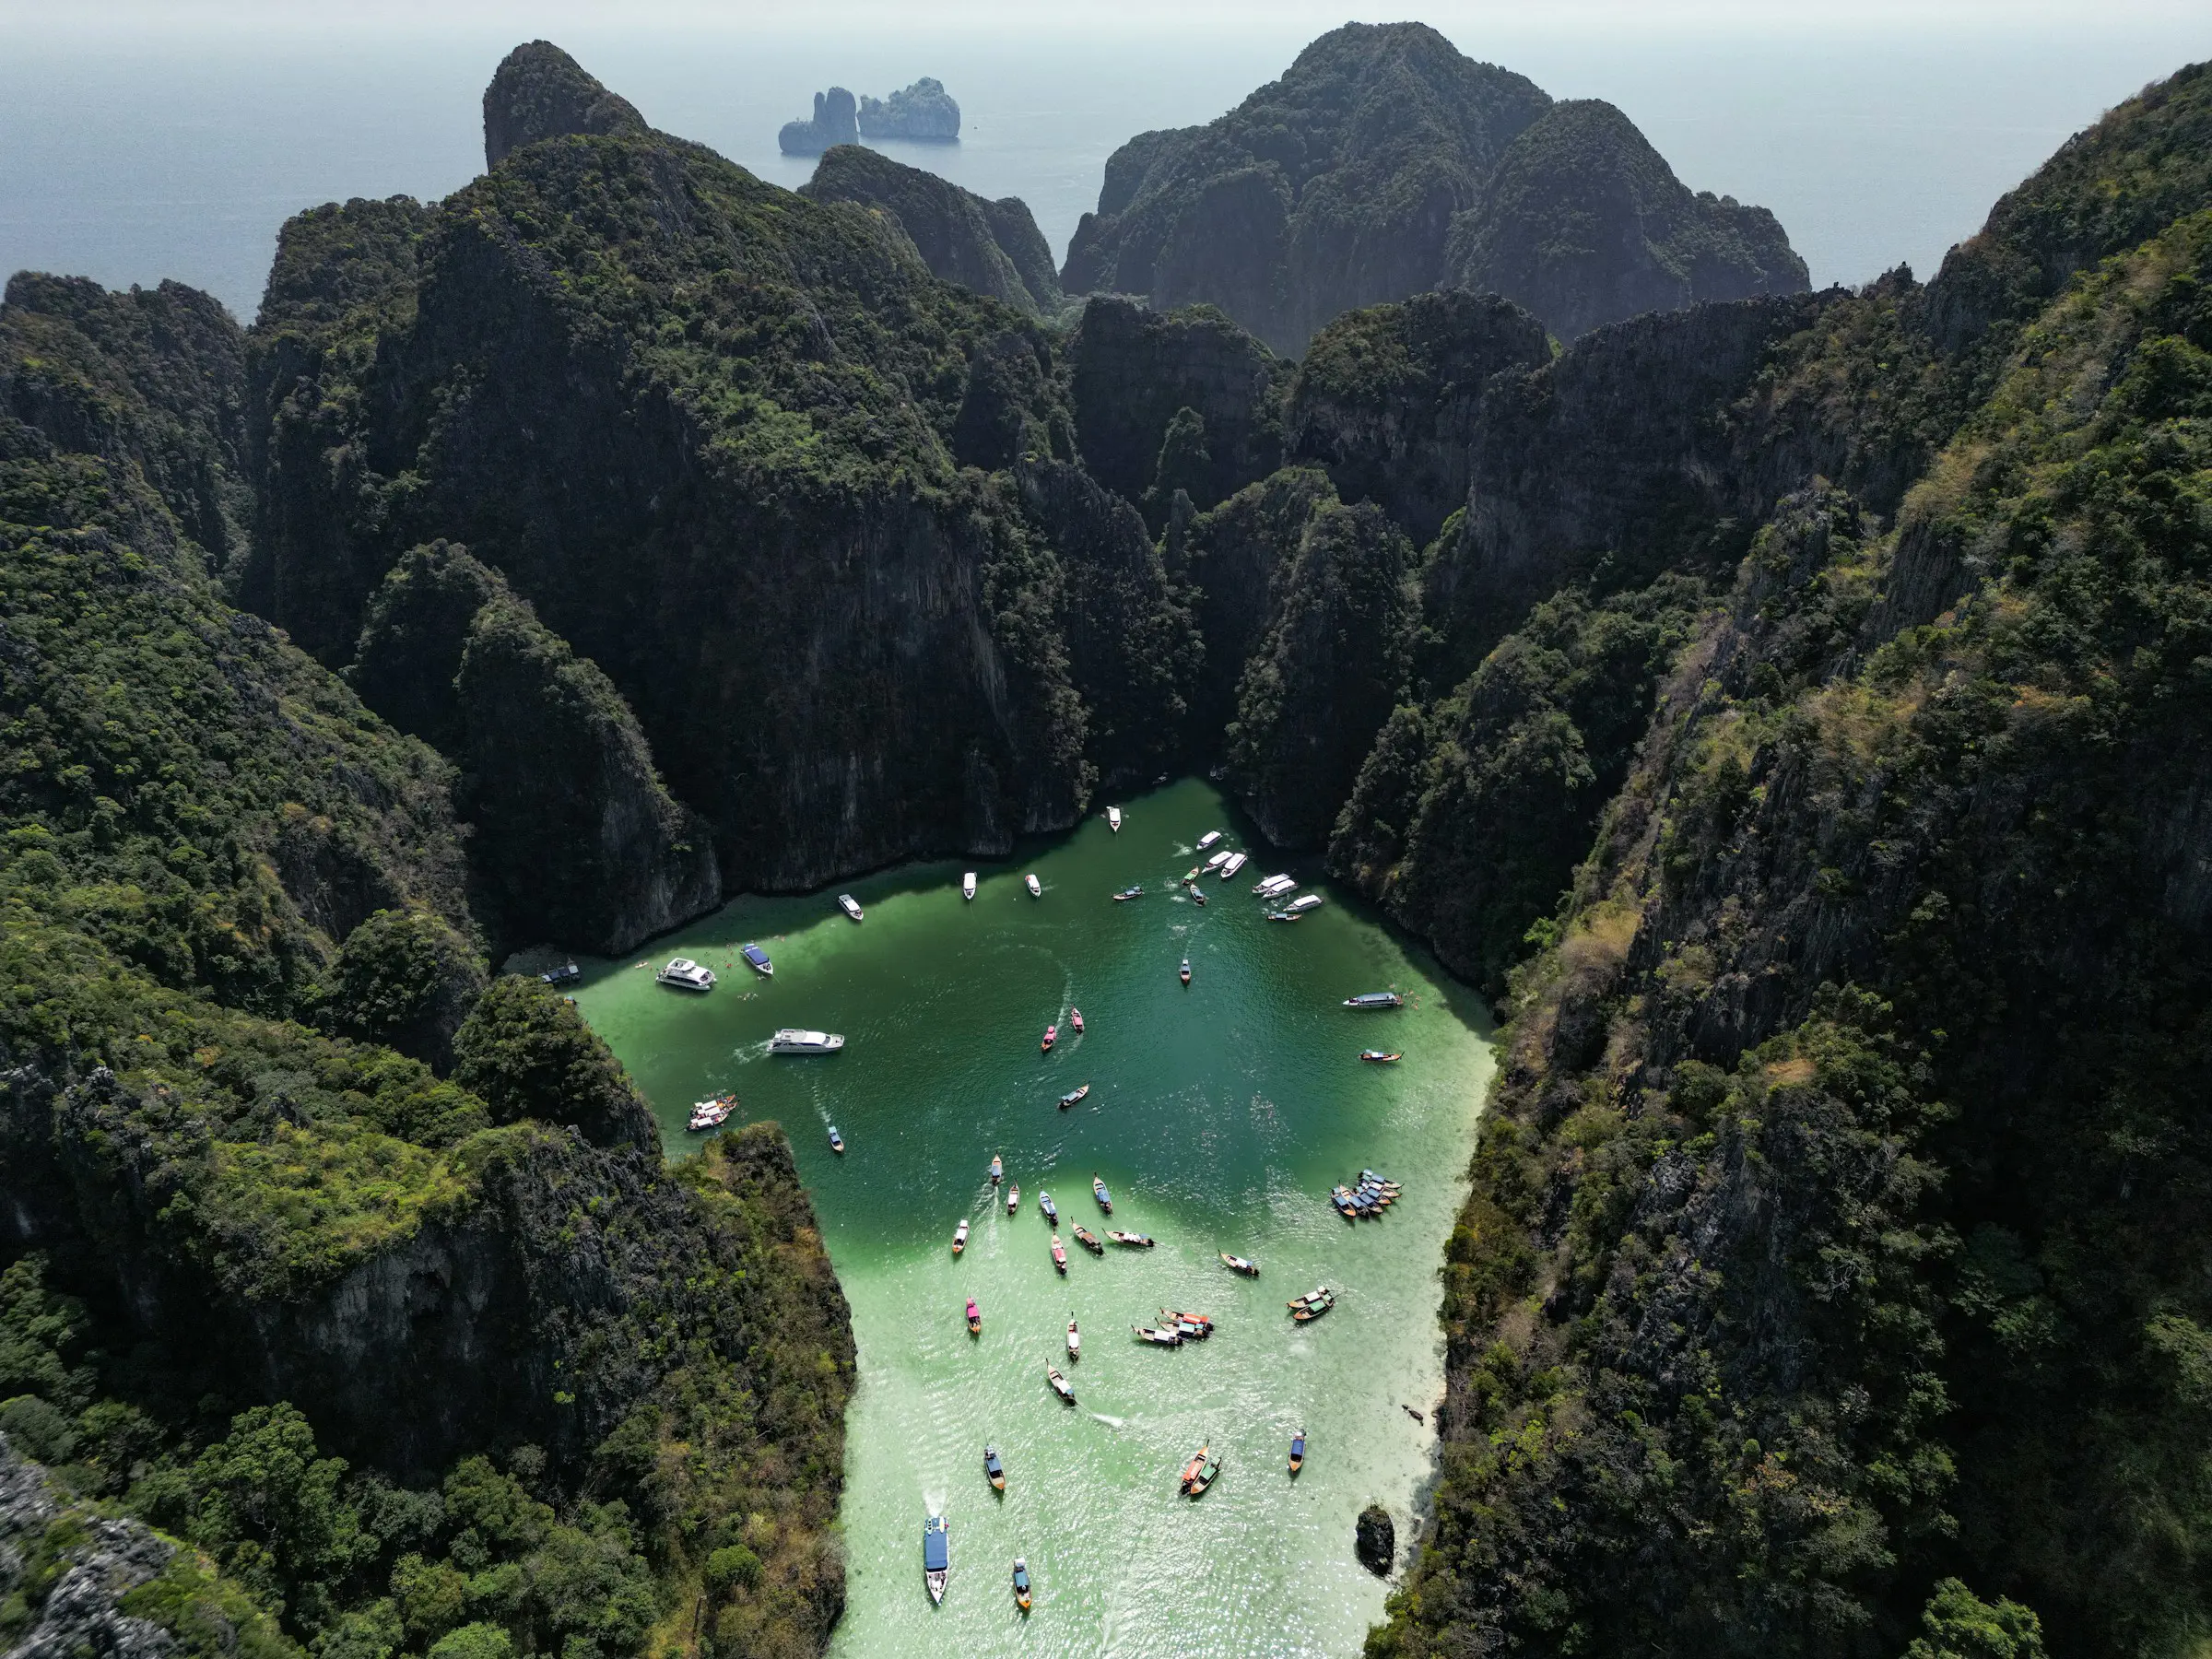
pixel 805 1043
pixel 968 885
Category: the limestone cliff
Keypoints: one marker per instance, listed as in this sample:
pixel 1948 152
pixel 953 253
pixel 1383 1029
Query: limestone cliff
pixel 1387 399
pixel 924 112
pixel 750 516
pixel 994 248
pixel 1584 222
pixel 832 123
pixel 1324 677
pixel 576 841
pixel 539 91
pixel 1384 163
pixel 1132 371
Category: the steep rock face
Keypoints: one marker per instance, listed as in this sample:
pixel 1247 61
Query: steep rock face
pixel 1584 223
pixel 577 841
pixel 1324 678
pixel 823 639
pixel 2108 188
pixel 577 833
pixel 1133 647
pixel 1384 163
pixel 1230 561
pixel 922 112
pixel 1131 371
pixel 1877 957
pixel 957 232
pixel 1386 398
pixel 833 123
pixel 342 273
pixel 1329 189
pixel 153 380
pixel 1470 813
pixel 85 1583
pixel 1618 458
pixel 233 802
pixel 539 91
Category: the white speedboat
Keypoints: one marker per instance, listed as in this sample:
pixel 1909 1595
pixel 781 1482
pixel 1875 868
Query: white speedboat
pixel 1036 887
pixel 1299 906
pixel 686 975
pixel 791 1040
pixel 1218 860
pixel 1208 838
pixel 968 885
pixel 1113 819
pixel 850 905
pixel 1274 887
pixel 757 959
pixel 1231 865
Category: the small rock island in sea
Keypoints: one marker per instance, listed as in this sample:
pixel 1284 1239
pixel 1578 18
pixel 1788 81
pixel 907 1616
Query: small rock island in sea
pixel 923 111
pixel 832 123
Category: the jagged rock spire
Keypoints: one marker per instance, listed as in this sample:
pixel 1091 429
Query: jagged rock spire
pixel 539 91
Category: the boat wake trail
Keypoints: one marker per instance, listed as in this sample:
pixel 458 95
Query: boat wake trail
pixel 1111 1422
pixel 747 1053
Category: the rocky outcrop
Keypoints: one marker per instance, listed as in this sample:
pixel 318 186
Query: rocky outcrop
pixel 577 841
pixel 1375 1540
pixel 991 247
pixel 67 1571
pixel 924 112
pixel 539 91
pixel 753 522
pixel 1622 457
pixel 1397 133
pixel 1412 167
pixel 1387 399
pixel 1584 223
pixel 1229 562
pixel 832 123
pixel 1131 373
pixel 1323 679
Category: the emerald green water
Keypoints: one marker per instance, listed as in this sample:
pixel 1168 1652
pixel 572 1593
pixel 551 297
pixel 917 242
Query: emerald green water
pixel 1219 1116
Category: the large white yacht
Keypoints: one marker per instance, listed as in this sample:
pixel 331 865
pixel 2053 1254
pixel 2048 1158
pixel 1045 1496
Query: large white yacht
pixel 791 1040
pixel 687 974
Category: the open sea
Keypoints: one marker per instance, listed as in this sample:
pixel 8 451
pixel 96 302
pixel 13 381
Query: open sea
pixel 150 150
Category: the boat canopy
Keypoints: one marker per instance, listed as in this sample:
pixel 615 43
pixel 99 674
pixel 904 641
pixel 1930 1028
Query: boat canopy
pixel 935 1555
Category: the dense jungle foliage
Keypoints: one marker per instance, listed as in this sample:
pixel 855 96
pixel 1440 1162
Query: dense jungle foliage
pixel 225 887
pixel 1832 1280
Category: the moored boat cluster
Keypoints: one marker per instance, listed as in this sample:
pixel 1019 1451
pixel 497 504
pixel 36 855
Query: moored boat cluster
pixel 1170 1328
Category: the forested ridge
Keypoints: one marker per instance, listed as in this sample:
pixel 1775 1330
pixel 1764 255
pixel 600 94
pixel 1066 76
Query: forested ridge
pixel 1794 709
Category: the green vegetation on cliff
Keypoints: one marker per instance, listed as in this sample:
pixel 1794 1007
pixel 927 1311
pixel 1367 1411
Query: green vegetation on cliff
pixel 1384 163
pixel 992 247
pixel 239 1231
pixel 1832 1280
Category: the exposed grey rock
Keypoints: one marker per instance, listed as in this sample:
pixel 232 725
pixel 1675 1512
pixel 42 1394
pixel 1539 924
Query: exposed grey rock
pixel 539 91
pixel 833 123
pixel 80 1617
pixel 1375 1540
pixel 923 112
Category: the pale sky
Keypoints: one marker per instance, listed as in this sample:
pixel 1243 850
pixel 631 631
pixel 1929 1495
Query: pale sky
pixel 1612 17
